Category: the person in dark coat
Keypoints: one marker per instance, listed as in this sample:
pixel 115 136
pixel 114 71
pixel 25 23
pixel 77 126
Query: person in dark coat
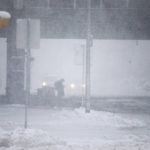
pixel 59 87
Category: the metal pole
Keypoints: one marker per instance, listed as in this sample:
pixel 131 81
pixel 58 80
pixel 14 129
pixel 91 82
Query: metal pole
pixel 27 88
pixel 83 75
pixel 88 41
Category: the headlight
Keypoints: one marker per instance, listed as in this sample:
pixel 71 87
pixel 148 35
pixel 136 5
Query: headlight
pixel 72 86
pixel 44 84
pixel 83 85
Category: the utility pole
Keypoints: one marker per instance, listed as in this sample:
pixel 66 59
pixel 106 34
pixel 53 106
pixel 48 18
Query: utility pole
pixel 27 38
pixel 88 46
pixel 83 76
pixel 27 72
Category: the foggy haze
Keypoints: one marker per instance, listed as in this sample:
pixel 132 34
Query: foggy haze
pixel 74 74
pixel 117 66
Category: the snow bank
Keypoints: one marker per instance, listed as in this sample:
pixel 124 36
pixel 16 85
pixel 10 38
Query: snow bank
pixel 31 139
pixel 91 130
pixel 99 117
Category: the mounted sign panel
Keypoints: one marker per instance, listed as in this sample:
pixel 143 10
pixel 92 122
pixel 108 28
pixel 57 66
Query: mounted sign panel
pixel 34 33
pixel 21 37
pixel 34 37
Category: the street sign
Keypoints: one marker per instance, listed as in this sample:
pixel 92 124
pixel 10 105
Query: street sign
pixel 21 34
pixel 34 34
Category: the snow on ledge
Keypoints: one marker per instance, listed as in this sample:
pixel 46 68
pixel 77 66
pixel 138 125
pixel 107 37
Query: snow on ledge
pixel 4 14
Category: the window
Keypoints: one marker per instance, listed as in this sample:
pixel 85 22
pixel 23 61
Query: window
pixel 6 4
pixel 55 3
pixel 81 3
pixel 61 3
pixel 67 3
pixel 18 4
pixel 139 4
pixel 114 3
pixel 95 3
pixel 36 3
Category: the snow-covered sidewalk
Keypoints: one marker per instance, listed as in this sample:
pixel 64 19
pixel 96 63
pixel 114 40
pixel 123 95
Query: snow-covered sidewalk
pixel 66 129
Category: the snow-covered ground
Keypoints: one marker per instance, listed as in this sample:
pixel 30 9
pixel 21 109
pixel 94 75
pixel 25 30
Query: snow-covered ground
pixel 71 129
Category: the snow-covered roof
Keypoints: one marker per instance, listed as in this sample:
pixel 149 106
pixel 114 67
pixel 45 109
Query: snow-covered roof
pixel 4 14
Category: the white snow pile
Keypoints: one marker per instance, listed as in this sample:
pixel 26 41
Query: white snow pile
pixel 99 117
pixel 76 130
pixel 31 139
pixel 28 139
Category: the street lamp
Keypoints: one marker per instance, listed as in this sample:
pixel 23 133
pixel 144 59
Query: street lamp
pixel 4 19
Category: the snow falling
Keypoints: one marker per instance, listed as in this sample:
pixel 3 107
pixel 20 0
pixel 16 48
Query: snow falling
pixel 74 75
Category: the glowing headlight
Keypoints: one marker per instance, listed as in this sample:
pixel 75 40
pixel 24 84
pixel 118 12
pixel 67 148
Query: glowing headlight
pixel 44 84
pixel 72 86
pixel 83 85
